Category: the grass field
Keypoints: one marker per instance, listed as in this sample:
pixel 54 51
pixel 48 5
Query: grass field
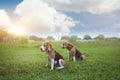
pixel 26 62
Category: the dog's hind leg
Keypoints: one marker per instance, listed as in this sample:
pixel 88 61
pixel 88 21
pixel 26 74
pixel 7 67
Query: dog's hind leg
pixel 61 63
pixel 82 58
pixel 74 58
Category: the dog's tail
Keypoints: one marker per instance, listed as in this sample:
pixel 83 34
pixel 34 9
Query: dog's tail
pixel 82 58
pixel 63 62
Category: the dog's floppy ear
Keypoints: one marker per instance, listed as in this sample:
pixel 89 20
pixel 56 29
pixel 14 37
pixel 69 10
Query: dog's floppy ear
pixel 65 44
pixel 49 47
pixel 69 44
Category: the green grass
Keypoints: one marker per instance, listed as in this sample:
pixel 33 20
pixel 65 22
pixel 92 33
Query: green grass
pixel 26 62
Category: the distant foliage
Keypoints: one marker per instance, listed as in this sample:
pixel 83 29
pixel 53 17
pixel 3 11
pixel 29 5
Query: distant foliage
pixel 50 38
pixel 35 38
pixel 100 37
pixel 87 37
pixel 23 39
pixel 8 37
pixel 112 39
pixel 64 37
pixel 3 34
pixel 73 38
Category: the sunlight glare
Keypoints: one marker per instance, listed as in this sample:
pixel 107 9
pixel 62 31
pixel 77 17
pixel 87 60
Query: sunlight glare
pixel 17 31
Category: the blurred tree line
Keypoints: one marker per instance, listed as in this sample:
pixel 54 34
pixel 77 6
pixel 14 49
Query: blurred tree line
pixel 8 37
pixel 87 37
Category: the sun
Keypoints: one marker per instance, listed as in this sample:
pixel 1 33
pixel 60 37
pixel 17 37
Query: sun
pixel 17 31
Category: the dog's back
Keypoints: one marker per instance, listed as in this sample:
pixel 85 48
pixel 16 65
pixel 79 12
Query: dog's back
pixel 58 56
pixel 78 54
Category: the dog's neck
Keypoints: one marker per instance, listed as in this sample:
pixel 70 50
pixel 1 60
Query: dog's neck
pixel 48 51
pixel 69 47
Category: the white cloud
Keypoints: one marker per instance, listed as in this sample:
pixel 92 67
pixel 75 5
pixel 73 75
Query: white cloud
pixel 92 6
pixel 37 16
pixel 4 19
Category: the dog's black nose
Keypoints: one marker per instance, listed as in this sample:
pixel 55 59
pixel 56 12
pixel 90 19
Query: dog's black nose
pixel 41 49
pixel 63 47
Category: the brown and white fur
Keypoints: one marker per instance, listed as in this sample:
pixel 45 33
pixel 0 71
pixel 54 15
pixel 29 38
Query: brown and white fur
pixel 54 58
pixel 74 54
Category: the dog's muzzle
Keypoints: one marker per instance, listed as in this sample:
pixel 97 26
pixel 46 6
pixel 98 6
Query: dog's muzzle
pixel 63 47
pixel 41 49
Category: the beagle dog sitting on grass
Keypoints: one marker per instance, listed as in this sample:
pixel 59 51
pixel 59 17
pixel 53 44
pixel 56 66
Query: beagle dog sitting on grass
pixel 54 58
pixel 74 54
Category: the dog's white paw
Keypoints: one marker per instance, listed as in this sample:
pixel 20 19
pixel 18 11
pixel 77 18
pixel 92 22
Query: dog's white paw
pixel 59 67
pixel 51 69
pixel 46 65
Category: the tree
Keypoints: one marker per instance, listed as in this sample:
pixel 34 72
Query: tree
pixel 111 38
pixel 35 38
pixel 3 34
pixel 64 37
pixel 23 39
pixel 100 37
pixel 73 38
pixel 50 38
pixel 87 37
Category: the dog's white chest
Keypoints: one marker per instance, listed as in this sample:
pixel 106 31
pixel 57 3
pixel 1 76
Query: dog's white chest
pixel 48 56
pixel 69 52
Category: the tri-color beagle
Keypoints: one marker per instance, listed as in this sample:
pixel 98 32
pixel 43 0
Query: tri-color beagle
pixel 54 58
pixel 74 54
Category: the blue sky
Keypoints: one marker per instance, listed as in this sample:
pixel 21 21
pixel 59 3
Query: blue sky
pixel 100 24
pixel 65 17
pixel 9 5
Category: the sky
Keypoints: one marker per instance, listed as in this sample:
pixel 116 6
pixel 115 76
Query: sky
pixel 61 17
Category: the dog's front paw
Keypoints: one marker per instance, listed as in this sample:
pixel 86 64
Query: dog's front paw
pixel 46 65
pixel 51 69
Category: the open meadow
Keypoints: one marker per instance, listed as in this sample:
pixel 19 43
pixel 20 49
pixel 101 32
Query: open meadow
pixel 26 62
